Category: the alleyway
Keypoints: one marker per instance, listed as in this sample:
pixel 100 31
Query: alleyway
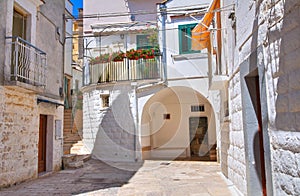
pixel 152 178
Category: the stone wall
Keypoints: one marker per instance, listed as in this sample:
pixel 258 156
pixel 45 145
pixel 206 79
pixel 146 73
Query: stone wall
pixel 19 135
pixel 19 128
pixel 282 49
pixel 108 132
pixel 267 38
pixel 236 153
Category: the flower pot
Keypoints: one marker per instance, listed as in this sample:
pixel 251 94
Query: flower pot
pixel 118 60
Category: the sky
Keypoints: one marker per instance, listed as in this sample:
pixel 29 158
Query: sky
pixel 76 4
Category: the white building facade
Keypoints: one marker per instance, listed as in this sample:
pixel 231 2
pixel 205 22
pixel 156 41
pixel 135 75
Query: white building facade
pixel 165 113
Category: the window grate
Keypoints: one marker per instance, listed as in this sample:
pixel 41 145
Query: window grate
pixel 105 101
pixel 197 108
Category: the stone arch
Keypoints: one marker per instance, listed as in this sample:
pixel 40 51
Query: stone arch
pixel 165 124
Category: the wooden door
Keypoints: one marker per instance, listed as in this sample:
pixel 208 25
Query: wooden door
pixel 42 144
pixel 260 136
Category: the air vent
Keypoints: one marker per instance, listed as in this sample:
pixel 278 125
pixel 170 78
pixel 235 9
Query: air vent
pixel 197 108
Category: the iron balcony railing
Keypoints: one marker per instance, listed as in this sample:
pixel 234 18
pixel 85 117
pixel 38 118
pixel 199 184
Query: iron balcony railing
pixel 28 63
pixel 125 70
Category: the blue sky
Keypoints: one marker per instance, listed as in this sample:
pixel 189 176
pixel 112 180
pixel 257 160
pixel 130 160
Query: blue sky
pixel 76 4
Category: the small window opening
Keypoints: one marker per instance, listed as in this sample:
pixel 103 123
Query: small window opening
pixel 197 108
pixel 167 116
pixel 105 100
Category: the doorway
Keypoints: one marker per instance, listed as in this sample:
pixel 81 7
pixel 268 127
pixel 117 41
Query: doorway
pixel 199 147
pixel 258 142
pixel 42 144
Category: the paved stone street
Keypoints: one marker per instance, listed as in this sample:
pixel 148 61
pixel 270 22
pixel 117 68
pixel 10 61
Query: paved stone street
pixel 148 178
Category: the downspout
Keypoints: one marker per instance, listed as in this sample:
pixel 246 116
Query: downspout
pixel 136 130
pixel 163 9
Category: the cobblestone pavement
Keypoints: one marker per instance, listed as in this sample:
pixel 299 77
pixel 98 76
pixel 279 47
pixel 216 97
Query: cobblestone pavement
pixel 151 178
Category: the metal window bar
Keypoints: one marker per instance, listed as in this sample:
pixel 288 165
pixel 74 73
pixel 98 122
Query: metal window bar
pixel 28 63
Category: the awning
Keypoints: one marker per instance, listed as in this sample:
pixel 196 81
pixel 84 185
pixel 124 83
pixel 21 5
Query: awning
pixel 201 34
pixel 108 29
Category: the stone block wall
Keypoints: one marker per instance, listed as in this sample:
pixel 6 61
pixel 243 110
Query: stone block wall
pixel 19 136
pixel 108 132
pixel 235 137
pixel 283 70
pixel 273 27
pixel 19 126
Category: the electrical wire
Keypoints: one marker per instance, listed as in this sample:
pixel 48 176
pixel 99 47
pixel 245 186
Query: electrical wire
pixel 175 10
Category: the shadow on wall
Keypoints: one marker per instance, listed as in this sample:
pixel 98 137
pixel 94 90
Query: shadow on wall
pixel 116 137
pixel 285 46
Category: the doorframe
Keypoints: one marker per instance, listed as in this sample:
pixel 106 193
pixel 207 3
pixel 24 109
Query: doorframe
pixel 50 140
pixel 49 143
pixel 205 137
pixel 249 68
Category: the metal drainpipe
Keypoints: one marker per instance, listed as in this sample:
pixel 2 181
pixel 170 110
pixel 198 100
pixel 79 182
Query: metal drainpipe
pixel 163 8
pixel 136 130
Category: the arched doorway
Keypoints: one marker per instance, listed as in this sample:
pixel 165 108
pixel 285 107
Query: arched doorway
pixel 178 123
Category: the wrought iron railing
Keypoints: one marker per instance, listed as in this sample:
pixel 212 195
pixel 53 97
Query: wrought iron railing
pixel 125 70
pixel 28 63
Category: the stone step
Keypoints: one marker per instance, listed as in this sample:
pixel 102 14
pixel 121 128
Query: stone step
pixel 74 161
pixel 77 148
pixel 75 165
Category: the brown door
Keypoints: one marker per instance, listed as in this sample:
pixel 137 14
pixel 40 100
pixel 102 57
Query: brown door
pixel 42 144
pixel 258 141
pixel 260 136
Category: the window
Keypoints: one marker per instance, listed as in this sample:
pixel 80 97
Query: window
pixel 166 116
pixel 197 108
pixel 76 86
pixel 19 24
pixel 142 42
pixel 185 42
pixel 105 100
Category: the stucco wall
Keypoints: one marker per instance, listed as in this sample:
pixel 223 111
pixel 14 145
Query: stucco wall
pixel 119 6
pixel 50 39
pixel 170 138
pixel 3 10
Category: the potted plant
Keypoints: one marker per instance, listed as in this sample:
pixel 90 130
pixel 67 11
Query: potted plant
pixel 133 54
pixel 147 53
pixel 103 58
pixel 118 56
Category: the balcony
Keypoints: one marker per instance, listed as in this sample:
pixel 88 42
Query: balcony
pixel 27 64
pixel 124 70
pixel 218 74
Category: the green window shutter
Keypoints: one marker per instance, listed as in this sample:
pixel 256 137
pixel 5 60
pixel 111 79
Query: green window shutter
pixel 142 42
pixel 185 42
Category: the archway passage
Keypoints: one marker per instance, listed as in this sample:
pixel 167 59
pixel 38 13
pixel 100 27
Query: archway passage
pixel 178 123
